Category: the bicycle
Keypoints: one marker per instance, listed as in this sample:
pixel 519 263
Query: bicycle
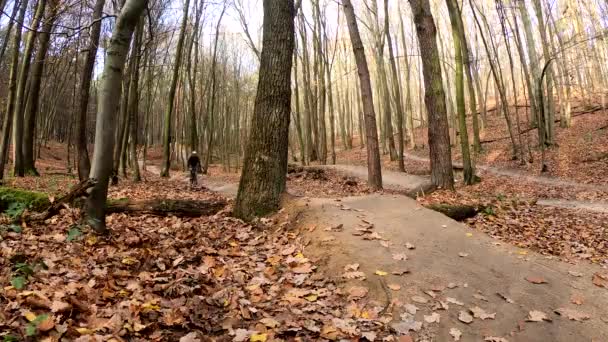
pixel 193 177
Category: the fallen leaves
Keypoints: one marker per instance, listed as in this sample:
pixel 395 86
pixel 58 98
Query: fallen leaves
pixel 600 279
pixel 572 314
pixel 577 299
pixel 465 317
pixel 400 256
pixel 357 292
pixel 394 287
pixel 456 334
pixel 481 313
pixel 537 316
pixel 432 318
pixel 381 273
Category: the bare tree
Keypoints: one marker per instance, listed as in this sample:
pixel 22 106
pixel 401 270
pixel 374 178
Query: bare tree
pixel 439 136
pixel 109 96
pixel 265 165
pixel 374 171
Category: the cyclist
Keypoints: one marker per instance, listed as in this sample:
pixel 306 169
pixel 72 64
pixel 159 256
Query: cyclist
pixel 194 164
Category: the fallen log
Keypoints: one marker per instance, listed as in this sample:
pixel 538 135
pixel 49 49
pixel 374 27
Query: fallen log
pixel 166 207
pixel 76 192
pixel 459 212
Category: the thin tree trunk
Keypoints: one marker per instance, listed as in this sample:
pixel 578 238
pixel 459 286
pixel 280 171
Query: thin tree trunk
pixel 31 109
pixel 20 99
pixel 84 163
pixel 265 165
pixel 134 100
pixel 12 89
pixel 167 139
pixel 109 96
pixel 459 43
pixel 374 171
pixel 396 90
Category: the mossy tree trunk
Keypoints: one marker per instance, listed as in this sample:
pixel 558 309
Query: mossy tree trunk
pixel 454 13
pixel 434 97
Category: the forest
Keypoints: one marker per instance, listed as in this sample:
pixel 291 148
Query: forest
pixel 304 170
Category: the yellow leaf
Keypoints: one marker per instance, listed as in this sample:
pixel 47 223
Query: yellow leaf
pixel 299 255
pixel 226 302
pixel 381 273
pixel 469 234
pixel 123 293
pixel 91 240
pixel 129 261
pixel 522 252
pixel 311 297
pixel 233 244
pixel 30 316
pixel 258 338
pixel 150 306
pixel 84 331
pixel 365 314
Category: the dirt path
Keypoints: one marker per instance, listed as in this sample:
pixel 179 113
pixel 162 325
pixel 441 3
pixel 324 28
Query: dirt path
pixel 521 175
pixel 464 265
pixel 412 184
pixel 448 252
pixel 415 183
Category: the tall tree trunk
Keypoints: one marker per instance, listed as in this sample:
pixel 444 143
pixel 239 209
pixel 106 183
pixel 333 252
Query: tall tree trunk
pixel 438 134
pixel 84 164
pixel 454 12
pixel 8 30
pixel 134 100
pixel 374 171
pixel 193 139
pixel 212 99
pixel 265 165
pixel 396 90
pixel 12 89
pixel 109 97
pixel 167 139
pixel 21 87
pixel 550 102
pixel 31 109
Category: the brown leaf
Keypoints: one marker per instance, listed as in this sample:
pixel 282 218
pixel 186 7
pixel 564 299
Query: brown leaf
pixel 600 279
pixel 394 287
pixel 577 299
pixel 304 268
pixel 536 280
pixel 357 292
pixel 59 306
pixel 465 317
pixel 572 314
pixel 400 256
pixel 481 313
pixel 47 324
pixel 537 316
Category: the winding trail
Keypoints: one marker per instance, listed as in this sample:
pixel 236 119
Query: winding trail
pixel 460 267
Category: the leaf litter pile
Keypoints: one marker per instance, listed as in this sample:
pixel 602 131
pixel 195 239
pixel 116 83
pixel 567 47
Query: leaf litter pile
pixel 169 279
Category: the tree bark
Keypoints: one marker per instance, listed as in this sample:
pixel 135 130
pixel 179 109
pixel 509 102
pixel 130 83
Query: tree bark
pixel 84 163
pixel 31 108
pixel 134 100
pixel 109 97
pixel 438 132
pixel 20 102
pixel 170 101
pixel 454 13
pixel 374 171
pixel 265 165
pixel 12 89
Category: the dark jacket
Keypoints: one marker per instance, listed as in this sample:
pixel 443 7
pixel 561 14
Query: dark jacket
pixel 194 161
